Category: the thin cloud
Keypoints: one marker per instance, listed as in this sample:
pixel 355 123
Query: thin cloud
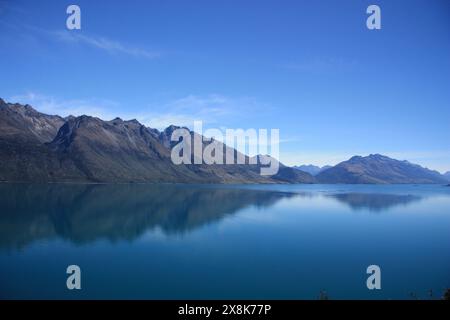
pixel 183 111
pixel 102 109
pixel 102 43
pixel 210 109
pixel 105 44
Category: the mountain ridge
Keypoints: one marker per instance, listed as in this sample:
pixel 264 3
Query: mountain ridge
pixel 378 169
pixel 35 147
pixel 89 149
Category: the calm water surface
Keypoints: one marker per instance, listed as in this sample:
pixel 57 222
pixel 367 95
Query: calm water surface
pixel 189 242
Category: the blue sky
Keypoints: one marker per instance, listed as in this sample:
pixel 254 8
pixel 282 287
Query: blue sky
pixel 310 68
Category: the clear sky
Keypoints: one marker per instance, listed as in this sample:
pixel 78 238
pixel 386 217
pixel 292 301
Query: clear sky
pixel 310 68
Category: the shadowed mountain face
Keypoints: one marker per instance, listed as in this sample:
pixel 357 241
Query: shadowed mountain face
pixel 116 151
pixel 378 169
pixel 23 153
pixel 85 213
pixel 35 147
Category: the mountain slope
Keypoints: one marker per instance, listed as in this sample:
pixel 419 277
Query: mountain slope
pixel 114 151
pixel 378 169
pixel 23 153
pixel 23 123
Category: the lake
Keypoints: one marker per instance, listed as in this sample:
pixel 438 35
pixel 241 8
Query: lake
pixel 160 241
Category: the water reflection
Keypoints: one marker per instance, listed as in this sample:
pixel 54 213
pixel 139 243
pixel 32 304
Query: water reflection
pixel 83 213
pixel 375 202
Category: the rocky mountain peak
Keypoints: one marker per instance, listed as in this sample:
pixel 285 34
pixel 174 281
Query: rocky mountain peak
pixel 170 129
pixel 26 124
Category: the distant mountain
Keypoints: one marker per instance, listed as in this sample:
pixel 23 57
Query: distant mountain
pixel 311 169
pixel 379 169
pixel 35 147
pixel 447 175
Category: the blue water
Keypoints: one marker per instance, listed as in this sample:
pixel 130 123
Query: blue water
pixel 210 242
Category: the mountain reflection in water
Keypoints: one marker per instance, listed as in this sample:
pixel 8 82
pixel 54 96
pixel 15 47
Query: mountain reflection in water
pixel 84 213
pixel 375 202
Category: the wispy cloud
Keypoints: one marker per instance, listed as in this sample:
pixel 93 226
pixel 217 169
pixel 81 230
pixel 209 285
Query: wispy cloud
pixel 211 109
pixel 102 43
pixel 103 109
pixel 80 37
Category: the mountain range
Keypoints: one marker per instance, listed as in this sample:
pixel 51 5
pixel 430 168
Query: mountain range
pixel 36 147
pixel 311 169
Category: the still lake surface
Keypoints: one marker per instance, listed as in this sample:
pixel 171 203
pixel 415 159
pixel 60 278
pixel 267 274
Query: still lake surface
pixel 199 241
